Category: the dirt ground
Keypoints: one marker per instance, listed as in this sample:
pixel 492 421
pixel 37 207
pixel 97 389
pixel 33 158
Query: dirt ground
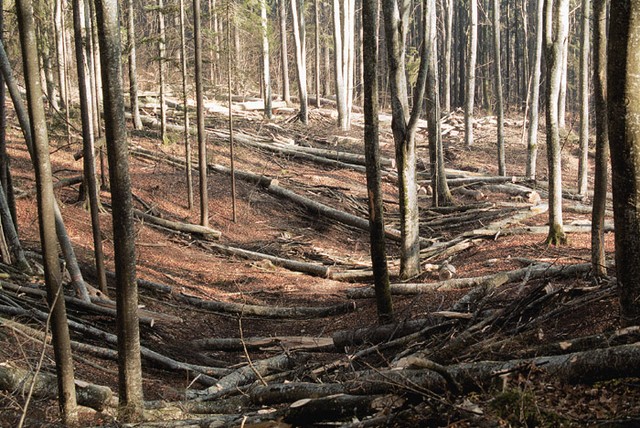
pixel 275 226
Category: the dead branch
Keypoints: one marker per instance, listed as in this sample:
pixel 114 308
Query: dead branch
pixel 289 343
pixel 204 232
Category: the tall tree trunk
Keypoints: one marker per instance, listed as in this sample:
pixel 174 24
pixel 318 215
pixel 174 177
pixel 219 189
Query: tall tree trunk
pixel 297 14
pixel 557 16
pixel 131 402
pixel 185 104
pixel 284 55
pixel 133 78
pixel 59 30
pixel 343 28
pixel 265 60
pixel 584 99
pixel 372 156
pixel 623 87
pixel 447 9
pixel 202 143
pixel 396 18
pixel 470 89
pixel 46 215
pixel 502 168
pixel 562 95
pixel 161 54
pixel 534 99
pixel 316 10
pixel 230 122
pixel 602 138
pixel 441 195
pixel 84 86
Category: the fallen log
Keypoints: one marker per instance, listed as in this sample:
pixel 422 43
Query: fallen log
pixel 289 343
pixel 494 280
pixel 378 333
pixel 14 379
pixel 268 311
pixel 204 232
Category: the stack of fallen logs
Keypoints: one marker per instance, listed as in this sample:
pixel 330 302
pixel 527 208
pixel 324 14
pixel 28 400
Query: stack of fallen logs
pixel 363 377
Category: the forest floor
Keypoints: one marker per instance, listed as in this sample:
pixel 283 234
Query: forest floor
pixel 544 310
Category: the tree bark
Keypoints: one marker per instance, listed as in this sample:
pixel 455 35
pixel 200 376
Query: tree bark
pixel 372 155
pixel 129 363
pixel 623 81
pixel 470 88
pixel 532 135
pixel 46 215
pixel 585 47
pixel 297 14
pixel 284 54
pixel 185 104
pixel 265 59
pixel 602 138
pixel 502 168
pixel 133 78
pixel 202 143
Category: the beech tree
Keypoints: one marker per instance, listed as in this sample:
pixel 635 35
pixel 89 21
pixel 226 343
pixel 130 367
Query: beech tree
pixel 623 101
pixel 343 43
pixel 470 89
pixel 556 23
pixel 396 19
pixel 297 14
pixel 372 155
pixel 284 57
pixel 202 144
pixel 602 138
pixel 584 99
pixel 502 169
pixel 133 77
pixel 130 405
pixel 185 104
pixel 46 215
pixel 532 134
pixel 265 59
pixel 161 55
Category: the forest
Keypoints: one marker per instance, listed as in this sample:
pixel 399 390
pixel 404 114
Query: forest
pixel 353 213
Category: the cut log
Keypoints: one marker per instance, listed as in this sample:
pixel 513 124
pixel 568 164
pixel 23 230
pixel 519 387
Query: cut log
pixel 204 232
pixel 13 379
pixel 268 311
pixel 494 280
pixel 289 343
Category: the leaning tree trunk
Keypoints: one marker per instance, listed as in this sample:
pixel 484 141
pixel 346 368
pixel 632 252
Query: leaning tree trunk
pixel 532 135
pixel 502 168
pixel 602 138
pixel 557 16
pixel 470 88
pixel 297 13
pixel 372 155
pixel 623 87
pixel 46 215
pixel 130 405
pixel 584 99
pixel 86 100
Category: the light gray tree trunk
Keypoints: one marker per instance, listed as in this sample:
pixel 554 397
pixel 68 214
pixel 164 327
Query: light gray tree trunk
pixel 284 55
pixel 502 168
pixel 46 215
pixel 133 78
pixel 202 143
pixel 161 55
pixel 557 17
pixel 470 88
pixel 185 104
pixel 447 8
pixel 534 99
pixel 265 60
pixel 297 14
pixel 583 166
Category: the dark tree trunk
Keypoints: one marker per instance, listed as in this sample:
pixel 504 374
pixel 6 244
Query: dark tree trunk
pixel 623 87
pixel 129 364
pixel 372 154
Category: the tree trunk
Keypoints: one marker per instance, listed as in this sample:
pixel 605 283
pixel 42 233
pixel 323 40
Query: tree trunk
pixel 129 363
pixel 623 87
pixel 447 8
pixel 86 107
pixel 602 138
pixel 532 135
pixel 583 166
pixel 46 215
pixel 284 54
pixel 59 30
pixel 185 104
pixel 316 10
pixel 297 14
pixel 133 79
pixel 372 153
pixel 441 194
pixel 343 42
pixel 161 54
pixel 562 95
pixel 502 168
pixel 202 143
pixel 557 15
pixel 265 60
pixel 470 89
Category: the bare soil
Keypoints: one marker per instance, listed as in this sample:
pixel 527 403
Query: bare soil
pixel 279 227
